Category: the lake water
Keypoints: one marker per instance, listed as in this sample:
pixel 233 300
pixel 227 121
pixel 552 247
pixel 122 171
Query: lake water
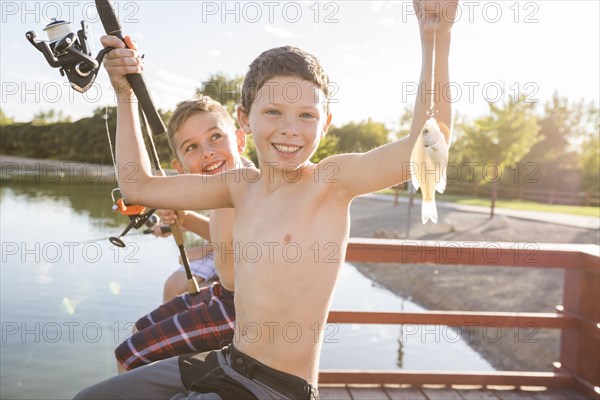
pixel 67 299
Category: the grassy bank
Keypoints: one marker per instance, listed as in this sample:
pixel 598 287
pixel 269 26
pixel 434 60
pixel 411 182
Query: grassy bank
pixel 513 204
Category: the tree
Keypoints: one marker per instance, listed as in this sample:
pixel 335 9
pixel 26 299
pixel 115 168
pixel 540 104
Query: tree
pixel 590 164
pixel 359 137
pixel 327 147
pixel 501 139
pixel 564 128
pixel 225 90
pixel 49 117
pixel 5 119
pixel 589 160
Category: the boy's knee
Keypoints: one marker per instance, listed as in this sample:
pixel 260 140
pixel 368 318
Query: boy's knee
pixel 175 285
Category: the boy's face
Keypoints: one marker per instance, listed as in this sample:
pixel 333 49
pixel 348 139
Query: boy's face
pixel 207 144
pixel 287 120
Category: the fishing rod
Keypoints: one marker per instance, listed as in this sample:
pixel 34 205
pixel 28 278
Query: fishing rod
pixel 71 53
pixel 151 124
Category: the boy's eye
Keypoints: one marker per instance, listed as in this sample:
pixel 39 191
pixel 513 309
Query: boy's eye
pixel 272 112
pixel 307 115
pixel 191 147
pixel 216 136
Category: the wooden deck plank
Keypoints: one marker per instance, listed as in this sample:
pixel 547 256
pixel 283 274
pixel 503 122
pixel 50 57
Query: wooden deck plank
pixel 408 392
pixel 573 394
pixel 512 395
pixel 548 394
pixel 367 392
pixel 404 393
pixel 337 392
pixel 441 394
pixel 477 394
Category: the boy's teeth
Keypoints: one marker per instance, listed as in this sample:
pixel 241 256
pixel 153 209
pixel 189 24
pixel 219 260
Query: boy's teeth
pixel 286 149
pixel 212 167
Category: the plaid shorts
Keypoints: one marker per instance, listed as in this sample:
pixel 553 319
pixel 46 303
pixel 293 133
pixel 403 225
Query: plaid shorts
pixel 186 324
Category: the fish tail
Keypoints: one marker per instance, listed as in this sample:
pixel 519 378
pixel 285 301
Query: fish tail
pixel 429 211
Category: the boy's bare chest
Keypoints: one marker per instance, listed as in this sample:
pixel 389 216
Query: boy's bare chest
pixel 291 217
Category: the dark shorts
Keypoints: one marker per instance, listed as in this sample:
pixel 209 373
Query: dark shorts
pixel 231 374
pixel 186 324
pixel 217 375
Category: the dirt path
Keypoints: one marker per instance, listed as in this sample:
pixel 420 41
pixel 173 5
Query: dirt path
pixel 471 288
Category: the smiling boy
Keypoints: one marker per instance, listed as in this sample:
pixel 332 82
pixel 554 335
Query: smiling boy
pixel 291 225
pixel 204 140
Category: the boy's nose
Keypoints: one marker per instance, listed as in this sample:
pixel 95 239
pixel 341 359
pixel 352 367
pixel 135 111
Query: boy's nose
pixel 290 127
pixel 290 130
pixel 209 153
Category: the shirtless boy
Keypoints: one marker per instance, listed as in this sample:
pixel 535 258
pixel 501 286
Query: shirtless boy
pixel 291 225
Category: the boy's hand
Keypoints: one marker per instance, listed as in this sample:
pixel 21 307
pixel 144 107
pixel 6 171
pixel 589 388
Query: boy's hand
pixel 170 217
pixel 159 232
pixel 435 15
pixel 121 61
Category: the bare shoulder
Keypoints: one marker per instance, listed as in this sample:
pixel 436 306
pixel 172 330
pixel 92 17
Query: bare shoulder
pixel 239 181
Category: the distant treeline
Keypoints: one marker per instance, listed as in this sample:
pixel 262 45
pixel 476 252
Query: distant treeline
pixel 84 140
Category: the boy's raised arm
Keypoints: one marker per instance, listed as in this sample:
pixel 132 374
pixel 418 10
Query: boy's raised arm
pixel 389 164
pixel 136 181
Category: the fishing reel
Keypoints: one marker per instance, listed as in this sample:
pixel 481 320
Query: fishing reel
pixel 70 52
pixel 138 217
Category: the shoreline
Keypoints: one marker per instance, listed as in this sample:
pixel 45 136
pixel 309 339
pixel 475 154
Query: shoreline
pixel 16 169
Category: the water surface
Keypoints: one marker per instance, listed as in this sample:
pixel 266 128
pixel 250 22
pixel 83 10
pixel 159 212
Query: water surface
pixel 67 300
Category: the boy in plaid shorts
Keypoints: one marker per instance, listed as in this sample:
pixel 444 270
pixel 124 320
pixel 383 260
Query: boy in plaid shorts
pixel 204 140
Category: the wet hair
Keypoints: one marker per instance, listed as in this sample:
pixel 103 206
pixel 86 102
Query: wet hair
pixel 187 108
pixel 283 61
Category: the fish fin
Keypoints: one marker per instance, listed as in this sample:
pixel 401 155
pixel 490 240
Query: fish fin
pixel 429 211
pixel 446 132
pixel 415 182
pixel 441 186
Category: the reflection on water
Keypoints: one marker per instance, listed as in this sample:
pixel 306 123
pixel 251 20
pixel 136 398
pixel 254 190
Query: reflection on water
pixel 68 300
pixel 83 198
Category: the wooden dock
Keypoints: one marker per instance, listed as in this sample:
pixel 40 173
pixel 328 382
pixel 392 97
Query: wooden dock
pixel 576 374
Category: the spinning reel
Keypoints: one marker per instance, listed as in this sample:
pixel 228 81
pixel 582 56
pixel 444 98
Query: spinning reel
pixel 70 52
pixel 138 217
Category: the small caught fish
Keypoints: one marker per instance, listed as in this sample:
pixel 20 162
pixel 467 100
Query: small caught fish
pixel 429 159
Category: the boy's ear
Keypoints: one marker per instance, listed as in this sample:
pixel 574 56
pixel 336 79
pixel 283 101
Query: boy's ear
pixel 241 140
pixel 175 163
pixel 242 118
pixel 326 126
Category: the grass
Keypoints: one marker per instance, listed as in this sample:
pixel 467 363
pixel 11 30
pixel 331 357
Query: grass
pixel 513 204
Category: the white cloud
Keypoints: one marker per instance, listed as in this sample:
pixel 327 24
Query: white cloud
pixel 280 32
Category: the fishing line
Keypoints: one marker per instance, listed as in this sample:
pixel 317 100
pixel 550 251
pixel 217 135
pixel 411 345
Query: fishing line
pixel 112 153
pixel 431 111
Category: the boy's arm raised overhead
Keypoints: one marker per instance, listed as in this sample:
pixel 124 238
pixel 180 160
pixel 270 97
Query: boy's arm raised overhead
pixel 134 170
pixel 389 164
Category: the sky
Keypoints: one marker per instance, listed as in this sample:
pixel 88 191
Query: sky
pixel 371 51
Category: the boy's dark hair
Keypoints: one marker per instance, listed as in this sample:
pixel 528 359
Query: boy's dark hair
pixel 187 108
pixel 283 61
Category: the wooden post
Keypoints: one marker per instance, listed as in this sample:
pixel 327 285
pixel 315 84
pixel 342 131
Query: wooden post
pixel 580 346
pixel 588 198
pixel 494 197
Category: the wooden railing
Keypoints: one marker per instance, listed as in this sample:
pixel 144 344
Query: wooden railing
pixel 578 317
